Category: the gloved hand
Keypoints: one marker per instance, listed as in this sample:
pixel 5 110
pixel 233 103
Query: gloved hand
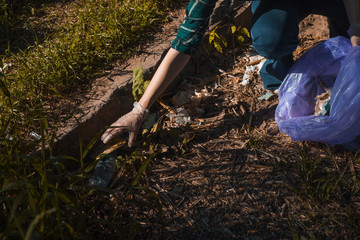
pixel 130 122
pixel 354 33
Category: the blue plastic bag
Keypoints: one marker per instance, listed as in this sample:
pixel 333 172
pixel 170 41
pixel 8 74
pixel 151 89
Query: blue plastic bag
pixel 337 64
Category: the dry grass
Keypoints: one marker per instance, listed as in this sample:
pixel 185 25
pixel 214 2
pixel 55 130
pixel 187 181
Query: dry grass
pixel 240 178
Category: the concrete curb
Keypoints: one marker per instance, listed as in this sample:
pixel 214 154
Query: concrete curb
pixel 113 98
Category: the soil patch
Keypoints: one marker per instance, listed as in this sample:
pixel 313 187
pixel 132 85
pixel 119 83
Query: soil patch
pixel 101 102
pixel 234 175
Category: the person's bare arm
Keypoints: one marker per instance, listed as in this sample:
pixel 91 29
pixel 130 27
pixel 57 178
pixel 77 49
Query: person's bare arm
pixel 188 39
pixel 169 68
pixel 353 12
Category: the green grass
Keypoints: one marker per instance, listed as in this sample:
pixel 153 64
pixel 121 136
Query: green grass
pixel 85 38
pixel 91 35
pixel 41 197
pixel 17 29
pixel 326 188
pixel 45 197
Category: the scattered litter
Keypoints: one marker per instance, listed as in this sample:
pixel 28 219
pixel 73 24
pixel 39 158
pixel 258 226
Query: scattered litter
pixel 74 188
pixel 149 121
pixel 266 96
pixel 105 168
pixel 322 105
pixel 35 135
pixel 221 71
pixel 4 67
pixel 181 117
pixel 188 103
pixel 250 56
pixel 250 69
pixel 201 95
pixel 10 138
pixel 103 171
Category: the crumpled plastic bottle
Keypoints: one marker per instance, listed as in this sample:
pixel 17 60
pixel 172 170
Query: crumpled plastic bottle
pixel 104 170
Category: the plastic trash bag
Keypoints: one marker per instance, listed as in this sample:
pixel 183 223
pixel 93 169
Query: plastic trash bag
pixel 337 64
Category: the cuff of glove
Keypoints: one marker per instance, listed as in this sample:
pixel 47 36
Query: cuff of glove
pixel 140 110
pixel 354 29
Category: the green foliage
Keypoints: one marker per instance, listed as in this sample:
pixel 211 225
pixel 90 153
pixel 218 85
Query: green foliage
pixel 314 183
pixel 47 197
pixel 96 33
pixel 240 33
pixel 139 84
pixel 3 88
pixel 11 9
pixel 90 35
pixel 325 189
pixel 217 40
pixel 44 196
pixel 220 42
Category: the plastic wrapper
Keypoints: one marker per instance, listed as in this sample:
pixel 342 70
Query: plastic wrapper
pixel 337 64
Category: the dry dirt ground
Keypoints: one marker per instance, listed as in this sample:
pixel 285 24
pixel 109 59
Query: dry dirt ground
pixel 234 175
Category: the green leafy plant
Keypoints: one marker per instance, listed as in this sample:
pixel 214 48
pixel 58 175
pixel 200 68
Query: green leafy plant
pixel 239 33
pixel 44 196
pixel 218 41
pixel 139 84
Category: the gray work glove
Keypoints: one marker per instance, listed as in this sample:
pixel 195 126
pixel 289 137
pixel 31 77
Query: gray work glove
pixel 130 122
